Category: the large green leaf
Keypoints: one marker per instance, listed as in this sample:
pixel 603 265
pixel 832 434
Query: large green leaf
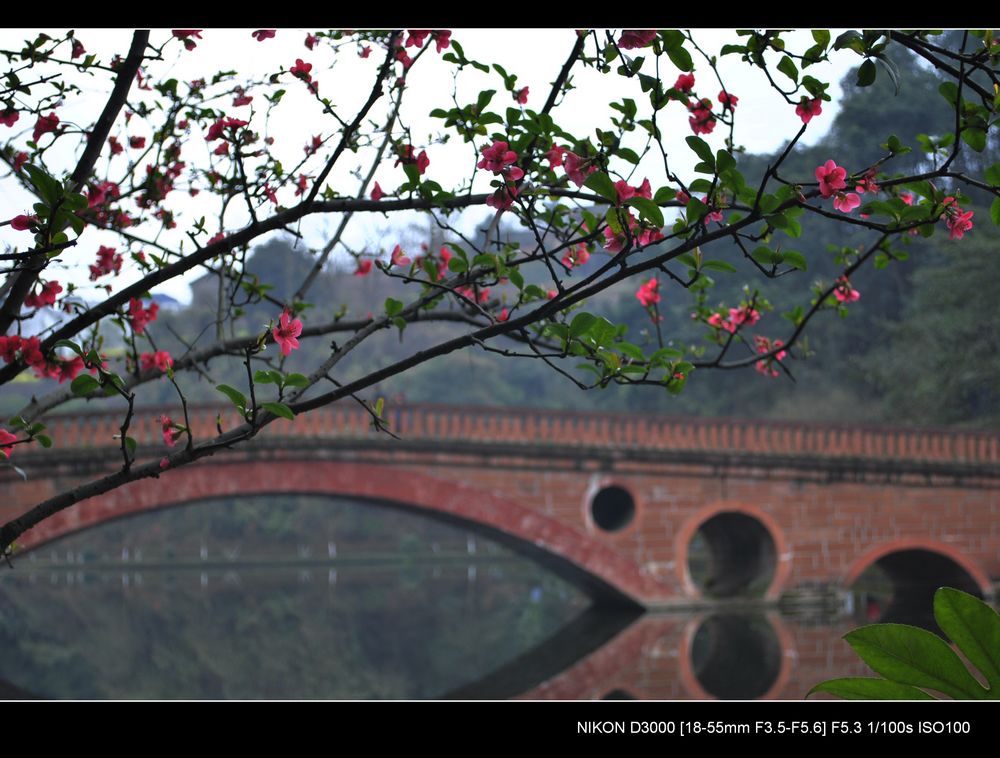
pixel 601 184
pixel 909 655
pixel 974 627
pixel 863 688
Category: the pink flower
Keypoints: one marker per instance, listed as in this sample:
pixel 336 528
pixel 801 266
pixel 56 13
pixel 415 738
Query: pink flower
pixel 50 290
pixel 831 178
pixel 764 345
pixel 442 38
pixel 170 431
pixel 364 267
pixel 9 347
pixel 867 183
pixel 67 370
pixel 312 147
pixel 404 57
pixel 907 198
pixel 287 334
pixel 846 202
pixel 78 49
pixel 504 315
pixel 405 153
pixel 496 157
pixel 957 220
pixel 365 51
pixel 503 198
pixel 22 223
pixel 377 193
pixel 555 155
pixel 138 316
pixel 577 168
pixel 551 294
pixel 625 191
pixel 218 129
pixel 159 360
pixel 684 83
pixel 137 143
pixel 702 119
pixel 301 70
pixel 242 98
pixel 108 262
pixel 19 160
pixel 807 108
pixel 6 438
pixel 648 293
pixel 311 40
pixel 682 197
pixel 45 124
pixel 576 255
pixel 9 117
pixel 262 34
pixel 632 39
pixel 116 147
pixel 399 258
pixel 164 463
pixel 728 101
pixel 416 37
pixel 521 96
pixel 844 292
pixel 188 36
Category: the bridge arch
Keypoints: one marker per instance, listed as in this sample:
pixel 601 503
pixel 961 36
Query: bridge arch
pixel 574 555
pixel 739 513
pixel 877 553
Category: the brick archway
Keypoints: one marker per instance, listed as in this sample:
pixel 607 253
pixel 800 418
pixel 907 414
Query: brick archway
pixel 873 555
pixel 580 558
pixel 783 553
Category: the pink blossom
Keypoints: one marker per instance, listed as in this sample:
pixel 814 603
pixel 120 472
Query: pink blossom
pixel 78 49
pixel 765 345
pixel 702 119
pixel 648 293
pixel 404 57
pixel 137 143
pixel 416 37
pixel 50 290
pixel 218 129
pixel 242 98
pixel 365 51
pixel 576 255
pixel 9 116
pixel 632 39
pixel 555 155
pixel 164 463
pixel 831 178
pixel 807 108
pixel 521 96
pixel 364 267
pixel 6 438
pixel 577 168
pixel 503 198
pixel 684 83
pixel 844 292
pixel 399 258
pixel 728 100
pixel 377 193
pixel 907 198
pixel 68 370
pixel 19 160
pixel 23 223
pixel 116 146
pixel 496 157
pixel 867 183
pixel 9 347
pixel 159 360
pixel 442 39
pixel 188 36
pixel 139 316
pixel 682 197
pixel 625 191
pixel 311 41
pixel 108 262
pixel 846 202
pixel 551 294
pixel 287 334
pixel 301 70
pixel 45 124
pixel 169 430
pixel 262 34
pixel 503 315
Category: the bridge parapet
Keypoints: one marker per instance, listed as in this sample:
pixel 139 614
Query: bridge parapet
pixel 567 429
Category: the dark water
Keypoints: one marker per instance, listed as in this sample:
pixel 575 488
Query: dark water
pixel 311 597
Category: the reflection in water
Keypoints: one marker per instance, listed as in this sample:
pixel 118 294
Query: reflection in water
pixel 736 656
pixel 313 597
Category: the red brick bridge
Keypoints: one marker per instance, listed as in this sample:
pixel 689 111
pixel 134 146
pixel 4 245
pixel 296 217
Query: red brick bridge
pixel 660 511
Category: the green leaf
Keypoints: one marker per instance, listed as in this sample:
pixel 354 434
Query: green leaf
pixel 71 345
pixel 787 67
pixel 974 138
pixel 647 209
pixel 601 184
pixel 516 278
pixel 279 409
pixel 680 58
pixel 995 211
pixel 632 351
pixel 701 149
pixel 719 266
pixel 821 37
pixel 236 397
pixel 44 440
pixel 974 627
pixel 266 377
pixel 765 256
pixel 84 384
pixel 949 91
pixel 581 324
pixel 48 188
pixel 866 74
pixel 628 154
pixel 296 380
pixel 392 306
pixel 909 655
pixel 863 688
pixel 993 174
pixel 130 446
pixel 795 259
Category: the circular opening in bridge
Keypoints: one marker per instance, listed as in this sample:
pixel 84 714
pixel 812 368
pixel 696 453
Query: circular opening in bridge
pixel 736 657
pixel 612 509
pixel 899 587
pixel 732 555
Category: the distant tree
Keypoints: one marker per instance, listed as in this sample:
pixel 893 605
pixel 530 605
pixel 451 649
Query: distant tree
pixel 115 194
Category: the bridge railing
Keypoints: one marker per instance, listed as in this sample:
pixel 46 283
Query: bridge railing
pixel 564 429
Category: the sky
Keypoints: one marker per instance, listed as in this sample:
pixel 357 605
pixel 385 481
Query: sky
pixel 765 121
